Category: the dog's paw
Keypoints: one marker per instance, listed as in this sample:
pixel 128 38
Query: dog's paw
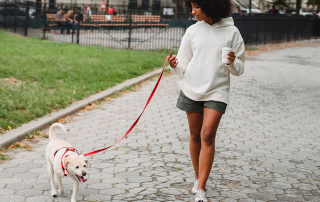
pixel 54 194
pixel 61 192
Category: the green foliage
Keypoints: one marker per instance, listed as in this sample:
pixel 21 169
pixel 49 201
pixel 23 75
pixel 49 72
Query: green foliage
pixel 37 76
pixel 314 3
pixel 280 3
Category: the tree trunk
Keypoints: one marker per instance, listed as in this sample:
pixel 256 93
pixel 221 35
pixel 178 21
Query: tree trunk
pixel 38 9
pixel 176 10
pixel 298 7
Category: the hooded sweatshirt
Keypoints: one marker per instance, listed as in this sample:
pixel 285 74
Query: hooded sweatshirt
pixel 204 76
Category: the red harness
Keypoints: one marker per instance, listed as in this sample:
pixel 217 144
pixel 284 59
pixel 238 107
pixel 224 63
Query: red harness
pixel 64 169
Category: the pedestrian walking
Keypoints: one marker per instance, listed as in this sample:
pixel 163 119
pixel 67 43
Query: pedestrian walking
pixel 205 83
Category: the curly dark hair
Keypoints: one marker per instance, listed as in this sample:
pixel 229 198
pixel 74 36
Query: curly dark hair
pixel 214 9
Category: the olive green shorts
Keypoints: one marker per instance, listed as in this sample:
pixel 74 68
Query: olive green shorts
pixel 186 104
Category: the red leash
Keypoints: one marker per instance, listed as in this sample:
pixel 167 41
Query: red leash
pixel 134 124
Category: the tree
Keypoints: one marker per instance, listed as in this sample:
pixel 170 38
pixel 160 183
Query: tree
pixel 38 8
pixel 280 3
pixel 176 9
pixel 298 7
pixel 314 3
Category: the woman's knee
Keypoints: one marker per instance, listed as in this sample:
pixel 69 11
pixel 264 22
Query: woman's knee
pixel 195 137
pixel 208 137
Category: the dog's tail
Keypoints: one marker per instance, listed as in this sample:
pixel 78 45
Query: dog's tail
pixel 52 135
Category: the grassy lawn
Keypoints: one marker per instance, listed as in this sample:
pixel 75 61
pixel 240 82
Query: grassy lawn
pixel 37 77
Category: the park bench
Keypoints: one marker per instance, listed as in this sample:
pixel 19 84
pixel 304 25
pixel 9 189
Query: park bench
pixel 123 21
pixel 147 21
pixel 112 21
pixel 52 21
pixel 106 21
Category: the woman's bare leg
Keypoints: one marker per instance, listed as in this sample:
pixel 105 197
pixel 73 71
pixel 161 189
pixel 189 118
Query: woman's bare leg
pixel 195 125
pixel 211 120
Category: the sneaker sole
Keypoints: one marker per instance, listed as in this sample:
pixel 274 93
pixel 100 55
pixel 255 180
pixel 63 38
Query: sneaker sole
pixel 197 200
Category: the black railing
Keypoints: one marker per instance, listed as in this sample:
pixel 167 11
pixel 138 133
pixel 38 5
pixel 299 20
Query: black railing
pixel 279 28
pixel 142 29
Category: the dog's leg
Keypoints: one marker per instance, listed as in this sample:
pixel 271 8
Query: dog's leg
pixel 51 172
pixel 59 182
pixel 75 190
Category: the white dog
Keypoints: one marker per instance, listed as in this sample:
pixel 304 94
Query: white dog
pixel 64 160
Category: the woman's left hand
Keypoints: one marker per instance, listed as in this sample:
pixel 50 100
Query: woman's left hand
pixel 231 57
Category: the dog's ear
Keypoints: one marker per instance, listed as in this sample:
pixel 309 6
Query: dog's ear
pixel 67 161
pixel 85 160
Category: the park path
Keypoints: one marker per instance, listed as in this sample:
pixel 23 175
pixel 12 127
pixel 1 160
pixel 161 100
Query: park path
pixel 267 148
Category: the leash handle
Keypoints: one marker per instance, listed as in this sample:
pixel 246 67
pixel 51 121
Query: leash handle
pixel 136 121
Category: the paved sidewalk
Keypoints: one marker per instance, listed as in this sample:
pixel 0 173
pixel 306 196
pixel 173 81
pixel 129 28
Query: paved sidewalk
pixel 268 145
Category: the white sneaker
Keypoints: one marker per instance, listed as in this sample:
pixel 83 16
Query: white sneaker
pixel 200 196
pixel 195 186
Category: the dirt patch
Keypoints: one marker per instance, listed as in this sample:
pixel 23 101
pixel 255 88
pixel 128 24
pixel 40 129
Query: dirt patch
pixel 10 80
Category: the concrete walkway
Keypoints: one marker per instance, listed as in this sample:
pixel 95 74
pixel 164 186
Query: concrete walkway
pixel 268 145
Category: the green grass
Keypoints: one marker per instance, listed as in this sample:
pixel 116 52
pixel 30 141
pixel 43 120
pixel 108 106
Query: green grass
pixel 37 76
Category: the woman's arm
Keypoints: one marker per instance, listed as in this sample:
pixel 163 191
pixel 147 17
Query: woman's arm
pixel 183 57
pixel 237 67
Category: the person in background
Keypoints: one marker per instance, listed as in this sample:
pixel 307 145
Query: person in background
pixel 60 20
pixel 274 10
pixel 86 12
pixel 71 22
pixel 89 12
pixel 205 83
pixel 110 10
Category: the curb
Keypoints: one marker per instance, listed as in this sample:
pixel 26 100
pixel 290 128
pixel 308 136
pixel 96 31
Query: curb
pixel 19 133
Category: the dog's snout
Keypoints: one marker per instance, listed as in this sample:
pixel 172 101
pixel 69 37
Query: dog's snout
pixel 84 173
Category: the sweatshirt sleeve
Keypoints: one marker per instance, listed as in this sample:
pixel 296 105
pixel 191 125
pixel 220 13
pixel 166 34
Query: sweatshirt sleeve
pixel 184 55
pixel 237 67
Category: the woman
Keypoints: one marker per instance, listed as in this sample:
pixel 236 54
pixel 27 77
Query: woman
pixel 205 83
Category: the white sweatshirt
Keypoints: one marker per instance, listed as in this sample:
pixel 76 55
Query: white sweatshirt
pixel 205 77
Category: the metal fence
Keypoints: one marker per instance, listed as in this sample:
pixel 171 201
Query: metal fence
pixel 142 29
pixel 277 28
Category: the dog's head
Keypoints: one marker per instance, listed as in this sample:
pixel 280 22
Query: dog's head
pixel 77 165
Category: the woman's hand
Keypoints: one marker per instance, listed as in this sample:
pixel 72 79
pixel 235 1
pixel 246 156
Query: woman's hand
pixel 173 60
pixel 231 57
